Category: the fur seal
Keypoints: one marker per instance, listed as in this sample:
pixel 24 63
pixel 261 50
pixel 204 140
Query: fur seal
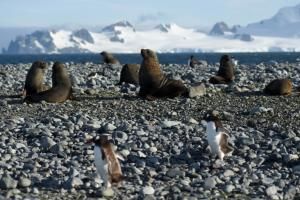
pixel 225 74
pixel 130 74
pixel 34 82
pixel 153 83
pixel 279 87
pixel 216 136
pixel 109 58
pixel 61 87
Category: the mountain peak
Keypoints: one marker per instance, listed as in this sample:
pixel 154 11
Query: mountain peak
pixel 166 27
pixel 288 14
pixel 112 27
pixel 219 29
pixel 285 23
pixel 84 35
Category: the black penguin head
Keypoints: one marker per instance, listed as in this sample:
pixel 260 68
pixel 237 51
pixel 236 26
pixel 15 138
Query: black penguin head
pixel 211 115
pixel 101 140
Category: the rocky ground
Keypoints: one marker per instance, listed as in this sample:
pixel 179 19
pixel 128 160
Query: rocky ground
pixel 44 154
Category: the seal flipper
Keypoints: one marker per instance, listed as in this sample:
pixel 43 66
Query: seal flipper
pixel 217 80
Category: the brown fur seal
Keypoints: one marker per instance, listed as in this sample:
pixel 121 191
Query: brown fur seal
pixel 153 83
pixel 279 87
pixel 61 87
pixel 34 82
pixel 109 58
pixel 130 74
pixel 226 71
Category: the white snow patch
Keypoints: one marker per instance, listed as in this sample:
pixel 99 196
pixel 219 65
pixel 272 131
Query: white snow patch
pixel 61 39
pixel 38 44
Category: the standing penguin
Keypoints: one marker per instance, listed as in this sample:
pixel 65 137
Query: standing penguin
pixel 106 161
pixel 216 136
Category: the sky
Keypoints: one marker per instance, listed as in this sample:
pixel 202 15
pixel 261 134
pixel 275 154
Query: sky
pixel 141 13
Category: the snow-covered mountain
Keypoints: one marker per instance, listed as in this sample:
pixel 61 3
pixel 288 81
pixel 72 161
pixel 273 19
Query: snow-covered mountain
pixel 222 29
pixel 279 33
pixel 285 23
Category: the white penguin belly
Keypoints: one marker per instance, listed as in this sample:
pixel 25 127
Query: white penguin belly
pixel 213 138
pixel 101 164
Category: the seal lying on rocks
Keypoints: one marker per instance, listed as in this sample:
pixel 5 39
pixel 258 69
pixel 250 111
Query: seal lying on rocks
pixel 279 87
pixel 61 87
pixel 153 83
pixel 34 82
pixel 130 74
pixel 225 74
pixel 109 58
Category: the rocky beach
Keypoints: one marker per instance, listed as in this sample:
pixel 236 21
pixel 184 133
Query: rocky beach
pixel 44 154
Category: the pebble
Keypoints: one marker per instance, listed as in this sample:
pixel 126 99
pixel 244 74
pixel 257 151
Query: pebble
pixel 108 192
pixel 148 190
pixel 175 172
pixel 168 124
pixel 197 91
pixel 210 183
pixel 229 188
pixel 228 173
pixel 43 146
pixel 272 190
pixel 109 127
pixel 24 182
pixel 46 142
pixel 7 182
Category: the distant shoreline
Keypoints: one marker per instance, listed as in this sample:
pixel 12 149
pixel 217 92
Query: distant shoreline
pixel 165 58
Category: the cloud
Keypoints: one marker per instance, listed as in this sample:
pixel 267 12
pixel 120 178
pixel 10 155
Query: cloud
pixel 159 16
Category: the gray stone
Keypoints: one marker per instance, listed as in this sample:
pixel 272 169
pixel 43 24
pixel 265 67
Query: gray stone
pixel 168 123
pixel 272 190
pixel 193 121
pixel 109 127
pixel 125 152
pixel 175 172
pixel 296 169
pixel 229 188
pixel 197 91
pixel 108 192
pixel 267 181
pixel 24 182
pixel 148 190
pixel 120 136
pixel 46 142
pixel 228 172
pixel 290 193
pixel 153 149
pixel 7 182
pixel 57 149
pixel 210 183
pixel 73 182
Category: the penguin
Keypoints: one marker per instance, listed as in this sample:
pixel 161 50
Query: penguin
pixel 107 161
pixel 216 136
